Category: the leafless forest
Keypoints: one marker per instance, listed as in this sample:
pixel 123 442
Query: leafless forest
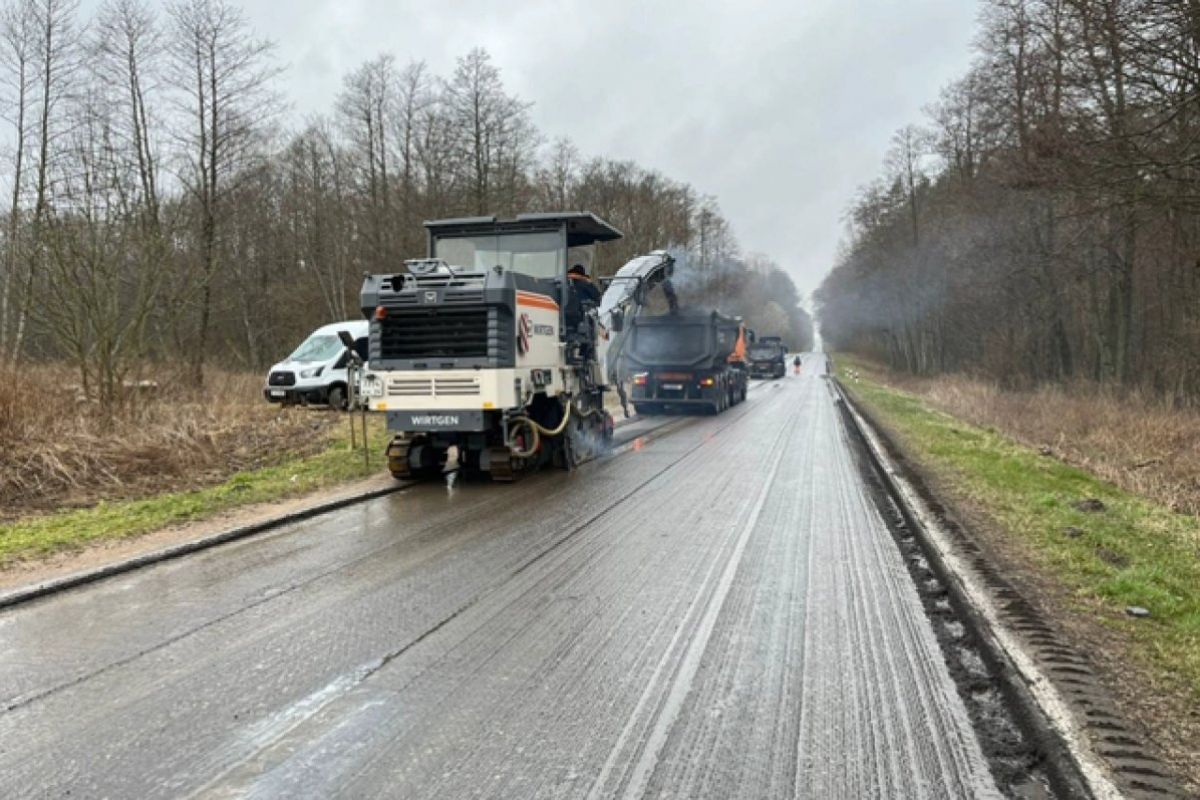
pixel 164 205
pixel 1043 225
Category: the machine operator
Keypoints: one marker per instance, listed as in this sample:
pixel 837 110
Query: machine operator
pixel 582 285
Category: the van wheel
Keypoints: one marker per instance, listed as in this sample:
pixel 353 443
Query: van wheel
pixel 337 397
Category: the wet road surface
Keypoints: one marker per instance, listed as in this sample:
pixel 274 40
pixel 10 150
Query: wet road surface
pixel 719 611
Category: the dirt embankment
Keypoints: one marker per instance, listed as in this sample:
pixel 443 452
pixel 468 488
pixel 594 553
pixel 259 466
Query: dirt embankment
pixel 62 451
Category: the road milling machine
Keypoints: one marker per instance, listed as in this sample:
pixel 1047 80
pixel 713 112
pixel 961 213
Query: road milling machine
pixel 488 352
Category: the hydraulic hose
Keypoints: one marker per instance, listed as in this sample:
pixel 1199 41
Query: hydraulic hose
pixel 537 430
pixel 535 438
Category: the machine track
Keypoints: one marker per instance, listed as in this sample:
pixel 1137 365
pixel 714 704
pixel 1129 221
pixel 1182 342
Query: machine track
pixel 397 459
pixel 501 466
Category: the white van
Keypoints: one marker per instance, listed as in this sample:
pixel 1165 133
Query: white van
pixel 316 371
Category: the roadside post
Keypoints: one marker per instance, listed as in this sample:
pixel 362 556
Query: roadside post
pixel 362 413
pixel 353 374
pixel 351 379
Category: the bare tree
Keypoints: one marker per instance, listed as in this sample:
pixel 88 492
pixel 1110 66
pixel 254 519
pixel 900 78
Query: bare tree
pixel 55 60
pixel 224 76
pixel 367 110
pixel 130 52
pixel 435 150
pixel 905 167
pixel 320 209
pixel 416 95
pixel 99 291
pixel 18 41
pixel 493 127
pixel 558 178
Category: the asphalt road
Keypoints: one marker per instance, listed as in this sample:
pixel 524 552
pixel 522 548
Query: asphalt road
pixel 719 611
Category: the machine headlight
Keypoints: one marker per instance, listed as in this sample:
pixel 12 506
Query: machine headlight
pixel 312 373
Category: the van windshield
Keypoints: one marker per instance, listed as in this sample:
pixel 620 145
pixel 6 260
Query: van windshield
pixel 318 348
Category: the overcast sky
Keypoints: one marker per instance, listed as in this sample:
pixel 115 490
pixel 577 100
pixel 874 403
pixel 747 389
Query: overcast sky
pixel 779 108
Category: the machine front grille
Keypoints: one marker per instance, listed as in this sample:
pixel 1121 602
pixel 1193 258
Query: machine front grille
pixel 410 387
pixel 460 387
pixel 435 387
pixel 442 280
pixel 434 333
pixel 282 378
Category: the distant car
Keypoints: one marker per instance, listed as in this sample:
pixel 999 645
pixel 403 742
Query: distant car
pixel 316 372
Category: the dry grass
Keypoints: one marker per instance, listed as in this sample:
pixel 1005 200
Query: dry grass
pixel 62 453
pixel 1130 440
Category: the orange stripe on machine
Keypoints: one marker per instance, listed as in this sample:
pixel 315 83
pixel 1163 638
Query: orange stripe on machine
pixel 536 300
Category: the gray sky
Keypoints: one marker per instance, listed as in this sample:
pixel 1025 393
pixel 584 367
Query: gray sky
pixel 779 108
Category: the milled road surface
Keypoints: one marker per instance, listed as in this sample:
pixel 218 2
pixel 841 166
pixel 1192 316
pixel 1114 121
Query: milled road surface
pixel 717 612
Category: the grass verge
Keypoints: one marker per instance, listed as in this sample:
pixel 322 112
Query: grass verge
pixel 1132 553
pixel 44 535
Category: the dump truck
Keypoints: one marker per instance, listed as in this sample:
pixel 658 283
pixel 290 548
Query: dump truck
pixel 768 358
pixel 488 352
pixel 691 359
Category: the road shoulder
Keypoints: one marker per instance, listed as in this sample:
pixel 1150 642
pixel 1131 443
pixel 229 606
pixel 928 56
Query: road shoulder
pixel 94 557
pixel 1132 710
pixel 108 556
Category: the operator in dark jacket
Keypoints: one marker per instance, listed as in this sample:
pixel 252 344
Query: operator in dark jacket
pixel 582 285
pixel 581 292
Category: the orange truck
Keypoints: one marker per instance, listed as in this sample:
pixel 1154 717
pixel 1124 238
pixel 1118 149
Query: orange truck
pixel 692 359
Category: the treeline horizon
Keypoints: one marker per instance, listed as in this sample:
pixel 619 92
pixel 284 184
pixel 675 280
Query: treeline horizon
pixel 159 209
pixel 1043 224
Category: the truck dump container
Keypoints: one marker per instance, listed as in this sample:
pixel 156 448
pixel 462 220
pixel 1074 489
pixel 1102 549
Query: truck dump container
pixel 688 360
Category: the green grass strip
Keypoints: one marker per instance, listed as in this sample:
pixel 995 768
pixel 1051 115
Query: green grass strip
pixel 68 530
pixel 1133 553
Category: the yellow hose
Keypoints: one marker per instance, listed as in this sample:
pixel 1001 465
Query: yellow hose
pixel 538 431
pixel 535 439
pixel 562 426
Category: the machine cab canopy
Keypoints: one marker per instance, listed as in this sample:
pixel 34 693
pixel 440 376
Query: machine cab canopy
pixel 540 246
